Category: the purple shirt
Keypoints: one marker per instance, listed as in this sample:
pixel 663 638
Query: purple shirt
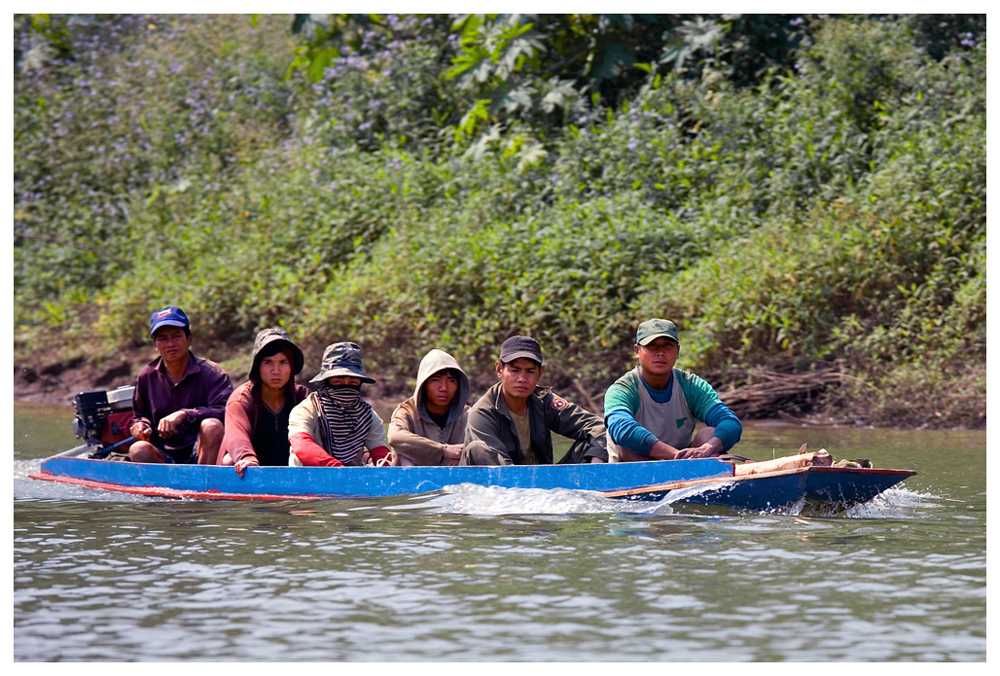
pixel 202 393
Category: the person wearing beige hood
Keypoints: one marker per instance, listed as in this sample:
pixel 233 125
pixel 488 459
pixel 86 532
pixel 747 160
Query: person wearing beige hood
pixel 429 427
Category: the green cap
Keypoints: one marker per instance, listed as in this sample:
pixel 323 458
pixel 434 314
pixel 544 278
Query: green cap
pixel 651 329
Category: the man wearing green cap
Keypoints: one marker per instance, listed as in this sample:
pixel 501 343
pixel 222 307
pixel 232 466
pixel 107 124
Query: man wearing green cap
pixel 652 410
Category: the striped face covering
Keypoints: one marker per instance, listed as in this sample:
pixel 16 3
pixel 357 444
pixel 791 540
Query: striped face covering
pixel 347 418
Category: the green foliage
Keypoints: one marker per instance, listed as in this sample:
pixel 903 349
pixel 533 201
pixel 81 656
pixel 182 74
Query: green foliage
pixel 567 276
pixel 110 138
pixel 543 71
pixel 376 81
pixel 884 271
pixel 793 191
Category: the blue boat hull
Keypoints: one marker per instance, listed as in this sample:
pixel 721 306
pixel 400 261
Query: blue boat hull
pixel 697 482
pixel 764 492
pixel 202 481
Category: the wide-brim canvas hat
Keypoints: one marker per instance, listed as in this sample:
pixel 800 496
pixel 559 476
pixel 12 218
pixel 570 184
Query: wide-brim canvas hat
pixel 268 337
pixel 342 359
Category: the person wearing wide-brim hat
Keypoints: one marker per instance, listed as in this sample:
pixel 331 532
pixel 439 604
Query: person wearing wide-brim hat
pixel 334 426
pixel 258 410
pixel 652 412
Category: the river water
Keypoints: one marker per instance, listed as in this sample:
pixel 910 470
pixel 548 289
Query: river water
pixel 486 575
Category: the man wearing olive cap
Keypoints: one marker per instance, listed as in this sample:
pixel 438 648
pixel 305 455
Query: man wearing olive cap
pixel 512 423
pixel 651 412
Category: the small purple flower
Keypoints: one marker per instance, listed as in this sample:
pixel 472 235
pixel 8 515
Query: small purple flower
pixel 798 21
pixel 632 144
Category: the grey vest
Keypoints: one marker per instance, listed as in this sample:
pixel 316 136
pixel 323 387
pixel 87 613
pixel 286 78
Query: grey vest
pixel 671 423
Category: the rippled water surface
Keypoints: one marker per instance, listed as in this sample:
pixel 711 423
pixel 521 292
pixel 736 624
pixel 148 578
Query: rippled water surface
pixel 486 574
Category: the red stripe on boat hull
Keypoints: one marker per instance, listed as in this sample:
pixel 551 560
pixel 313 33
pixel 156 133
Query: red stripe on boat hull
pixel 160 492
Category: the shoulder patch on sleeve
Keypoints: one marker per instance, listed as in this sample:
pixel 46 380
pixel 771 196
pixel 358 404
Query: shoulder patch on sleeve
pixel 559 404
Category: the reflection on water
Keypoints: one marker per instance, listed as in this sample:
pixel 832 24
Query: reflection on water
pixel 487 574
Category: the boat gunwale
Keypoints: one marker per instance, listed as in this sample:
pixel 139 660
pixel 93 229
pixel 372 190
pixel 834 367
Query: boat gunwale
pixel 164 492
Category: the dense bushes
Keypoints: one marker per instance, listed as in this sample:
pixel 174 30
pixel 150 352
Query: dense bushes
pixel 114 140
pixel 826 212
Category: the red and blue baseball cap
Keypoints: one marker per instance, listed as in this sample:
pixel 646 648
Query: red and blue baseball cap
pixel 168 316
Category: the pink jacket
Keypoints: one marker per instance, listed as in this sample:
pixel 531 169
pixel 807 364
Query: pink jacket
pixel 241 417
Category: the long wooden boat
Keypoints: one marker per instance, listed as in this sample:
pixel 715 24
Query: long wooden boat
pixel 272 483
pixel 704 481
pixel 102 415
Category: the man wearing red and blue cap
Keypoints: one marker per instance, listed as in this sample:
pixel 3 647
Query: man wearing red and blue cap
pixel 653 410
pixel 179 399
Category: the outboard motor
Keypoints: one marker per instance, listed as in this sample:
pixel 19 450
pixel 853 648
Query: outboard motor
pixel 102 417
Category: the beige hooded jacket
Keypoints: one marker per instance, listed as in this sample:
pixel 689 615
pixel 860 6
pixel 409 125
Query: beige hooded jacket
pixel 413 435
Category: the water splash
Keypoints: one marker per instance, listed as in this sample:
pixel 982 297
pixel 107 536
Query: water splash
pixel 894 503
pixel 493 500
pixel 471 499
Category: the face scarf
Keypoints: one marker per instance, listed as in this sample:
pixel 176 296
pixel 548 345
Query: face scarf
pixel 347 418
